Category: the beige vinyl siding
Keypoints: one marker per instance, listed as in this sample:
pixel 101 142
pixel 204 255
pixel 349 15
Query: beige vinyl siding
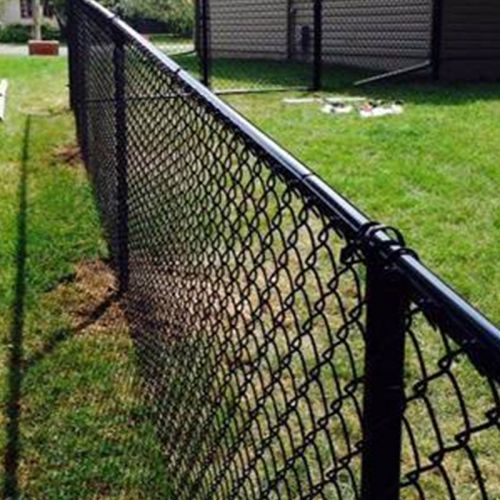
pixel 378 34
pixel 255 29
pixel 10 13
pixel 471 39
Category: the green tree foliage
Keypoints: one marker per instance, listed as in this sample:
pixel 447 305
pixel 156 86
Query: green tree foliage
pixel 178 15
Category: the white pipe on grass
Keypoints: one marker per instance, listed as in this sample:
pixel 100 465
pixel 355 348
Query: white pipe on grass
pixel 4 85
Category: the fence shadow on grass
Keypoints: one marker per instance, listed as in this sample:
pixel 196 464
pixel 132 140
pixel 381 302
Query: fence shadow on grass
pixel 17 364
pixel 63 335
pixel 13 409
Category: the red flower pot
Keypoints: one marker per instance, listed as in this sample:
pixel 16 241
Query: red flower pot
pixel 43 48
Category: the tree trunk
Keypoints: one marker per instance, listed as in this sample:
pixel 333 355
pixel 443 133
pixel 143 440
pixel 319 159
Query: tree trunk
pixel 37 19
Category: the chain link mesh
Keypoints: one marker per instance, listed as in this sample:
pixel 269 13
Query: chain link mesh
pixel 246 298
pixel 452 414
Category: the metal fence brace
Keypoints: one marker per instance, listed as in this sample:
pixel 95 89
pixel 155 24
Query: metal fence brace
pixel 288 346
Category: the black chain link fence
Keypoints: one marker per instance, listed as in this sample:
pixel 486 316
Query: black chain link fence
pixel 288 347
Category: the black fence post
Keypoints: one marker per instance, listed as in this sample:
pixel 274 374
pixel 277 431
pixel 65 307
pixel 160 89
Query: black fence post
pixel 437 35
pixel 318 45
pixel 205 42
pixel 289 31
pixel 387 305
pixel 82 61
pixel 70 35
pixel 121 162
pixel 197 27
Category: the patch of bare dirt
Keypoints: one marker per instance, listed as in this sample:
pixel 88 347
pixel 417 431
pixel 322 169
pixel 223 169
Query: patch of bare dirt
pixel 91 299
pixel 68 154
pixel 99 306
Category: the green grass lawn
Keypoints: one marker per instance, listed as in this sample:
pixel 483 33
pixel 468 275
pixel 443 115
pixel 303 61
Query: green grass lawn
pixel 172 44
pixel 71 425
